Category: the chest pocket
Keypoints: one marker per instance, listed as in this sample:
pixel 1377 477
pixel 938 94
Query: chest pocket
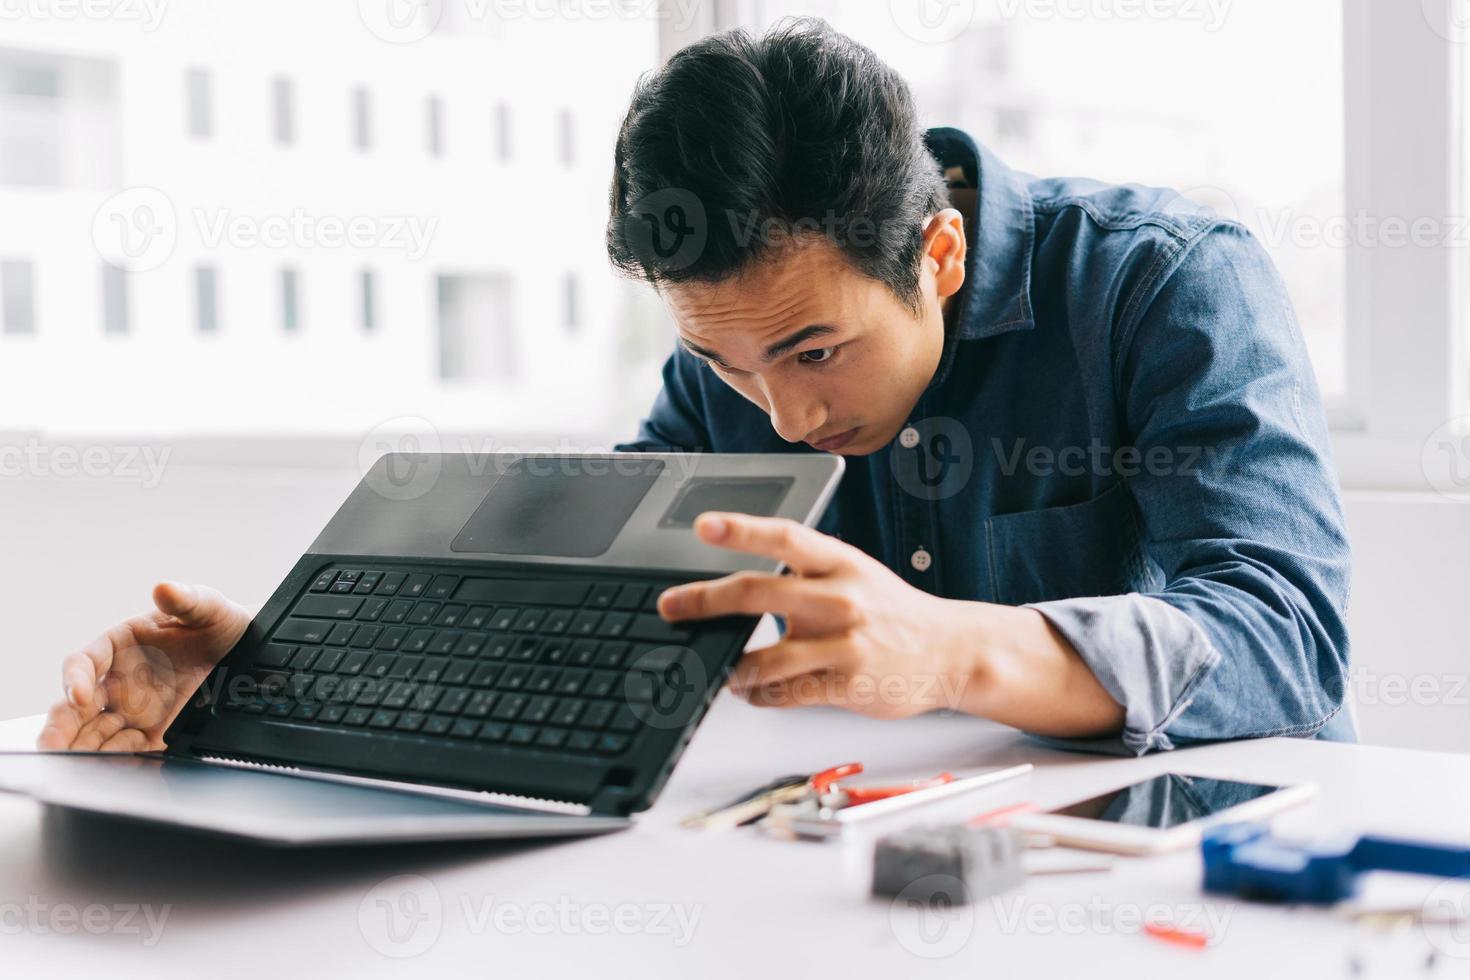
pixel 1085 549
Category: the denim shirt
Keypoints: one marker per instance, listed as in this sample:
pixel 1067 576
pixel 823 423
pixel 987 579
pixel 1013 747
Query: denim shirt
pixel 1123 433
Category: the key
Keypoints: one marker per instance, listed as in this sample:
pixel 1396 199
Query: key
pixel 522 592
pixel 304 630
pixel 324 581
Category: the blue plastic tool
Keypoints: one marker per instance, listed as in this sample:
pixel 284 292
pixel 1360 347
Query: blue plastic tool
pixel 1244 859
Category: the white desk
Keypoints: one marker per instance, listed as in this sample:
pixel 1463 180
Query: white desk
pixel 757 905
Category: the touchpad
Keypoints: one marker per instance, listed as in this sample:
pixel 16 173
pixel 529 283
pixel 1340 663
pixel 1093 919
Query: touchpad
pixel 560 507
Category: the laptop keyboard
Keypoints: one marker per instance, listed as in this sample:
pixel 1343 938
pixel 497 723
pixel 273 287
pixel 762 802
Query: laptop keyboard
pixel 555 665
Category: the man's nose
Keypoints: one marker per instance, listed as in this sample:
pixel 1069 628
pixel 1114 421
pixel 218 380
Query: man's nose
pixel 793 417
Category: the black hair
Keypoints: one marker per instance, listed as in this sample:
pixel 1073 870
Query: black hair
pixel 740 144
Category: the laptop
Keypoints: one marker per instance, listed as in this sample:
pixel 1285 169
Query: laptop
pixel 470 649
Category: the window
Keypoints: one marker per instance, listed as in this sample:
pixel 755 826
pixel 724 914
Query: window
pixel 372 212
pixel 58 121
pixel 205 300
pixel 17 297
pixel 197 96
pixel 569 301
pixel 435 118
pixel 114 300
pixel 290 316
pixel 502 132
pixel 368 299
pixel 566 130
pixel 283 111
pixel 362 119
pixel 477 337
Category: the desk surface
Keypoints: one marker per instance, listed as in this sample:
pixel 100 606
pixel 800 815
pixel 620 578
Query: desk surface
pixel 661 901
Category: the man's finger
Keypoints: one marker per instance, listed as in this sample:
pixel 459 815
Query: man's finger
pixel 127 740
pixel 63 722
pixel 82 673
pixel 191 605
pixel 97 731
pixel 784 661
pixel 803 549
pixel 753 594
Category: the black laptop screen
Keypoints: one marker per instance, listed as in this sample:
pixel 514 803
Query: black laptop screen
pixel 563 507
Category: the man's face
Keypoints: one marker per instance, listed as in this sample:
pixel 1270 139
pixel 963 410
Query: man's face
pixel 832 356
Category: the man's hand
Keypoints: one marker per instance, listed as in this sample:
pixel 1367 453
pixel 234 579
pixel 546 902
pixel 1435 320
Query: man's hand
pixel 860 637
pixel 857 635
pixel 124 688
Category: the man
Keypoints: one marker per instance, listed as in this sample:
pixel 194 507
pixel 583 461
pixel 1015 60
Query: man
pixel 1088 494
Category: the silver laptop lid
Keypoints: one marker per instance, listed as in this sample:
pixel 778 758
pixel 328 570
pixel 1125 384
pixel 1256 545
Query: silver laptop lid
pixel 624 510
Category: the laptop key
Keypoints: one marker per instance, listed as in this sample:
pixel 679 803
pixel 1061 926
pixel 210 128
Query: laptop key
pixel 324 581
pixel 341 634
pixel 615 624
pixel 397 611
pixel 477 618
pixel 465 728
pixel 432 669
pixel 353 662
pixel 652 628
pixel 612 744
pixel 566 712
pixel 414 586
pixel 383 718
pixel 442 587
pixel 356 716
pixel 275 655
pixel 304 630
pixel 485 674
pixel 504 618
pixel 582 741
pixel 457 672
pixel 551 738
pixel 602 595
pixel 437 725
pixel 379 665
pixel 342 587
pixel 583 653
pixel 452 702
pixel 522 734
pixel 423 613
pixel 328 606
pixel 493 731
pixel 514 678
pixel 328 661
pixel 403 667
pixel 450 615
pixel 418 641
pixel 303 659
pixel 543 679
pixel 366 636
pixel 597 713
pixel 538 709
pixel 557 621
pixel 521 592
pixel 411 721
pixel 392 638
pixel 391 583
pixel 509 707
pixel 585 623
pixel 480 703
pixel 630 597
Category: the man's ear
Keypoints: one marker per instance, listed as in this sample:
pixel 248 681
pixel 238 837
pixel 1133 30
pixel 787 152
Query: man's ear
pixel 944 245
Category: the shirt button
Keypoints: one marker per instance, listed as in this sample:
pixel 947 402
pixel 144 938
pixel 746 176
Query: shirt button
pixel 921 560
pixel 909 437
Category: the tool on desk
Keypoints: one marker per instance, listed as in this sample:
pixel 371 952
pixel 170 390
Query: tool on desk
pixel 951 865
pixel 754 805
pixel 1245 859
pixel 808 817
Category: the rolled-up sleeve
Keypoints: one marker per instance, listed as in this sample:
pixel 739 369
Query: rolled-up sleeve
pixel 1246 634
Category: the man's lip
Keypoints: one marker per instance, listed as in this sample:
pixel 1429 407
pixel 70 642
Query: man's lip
pixel 833 443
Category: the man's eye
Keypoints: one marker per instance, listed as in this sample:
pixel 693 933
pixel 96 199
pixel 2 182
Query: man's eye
pixel 819 356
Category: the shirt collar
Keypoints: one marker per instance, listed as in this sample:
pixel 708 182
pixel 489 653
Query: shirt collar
pixel 996 296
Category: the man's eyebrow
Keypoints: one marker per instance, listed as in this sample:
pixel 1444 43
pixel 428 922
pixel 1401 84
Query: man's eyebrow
pixel 773 352
pixel 782 347
pixel 708 355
